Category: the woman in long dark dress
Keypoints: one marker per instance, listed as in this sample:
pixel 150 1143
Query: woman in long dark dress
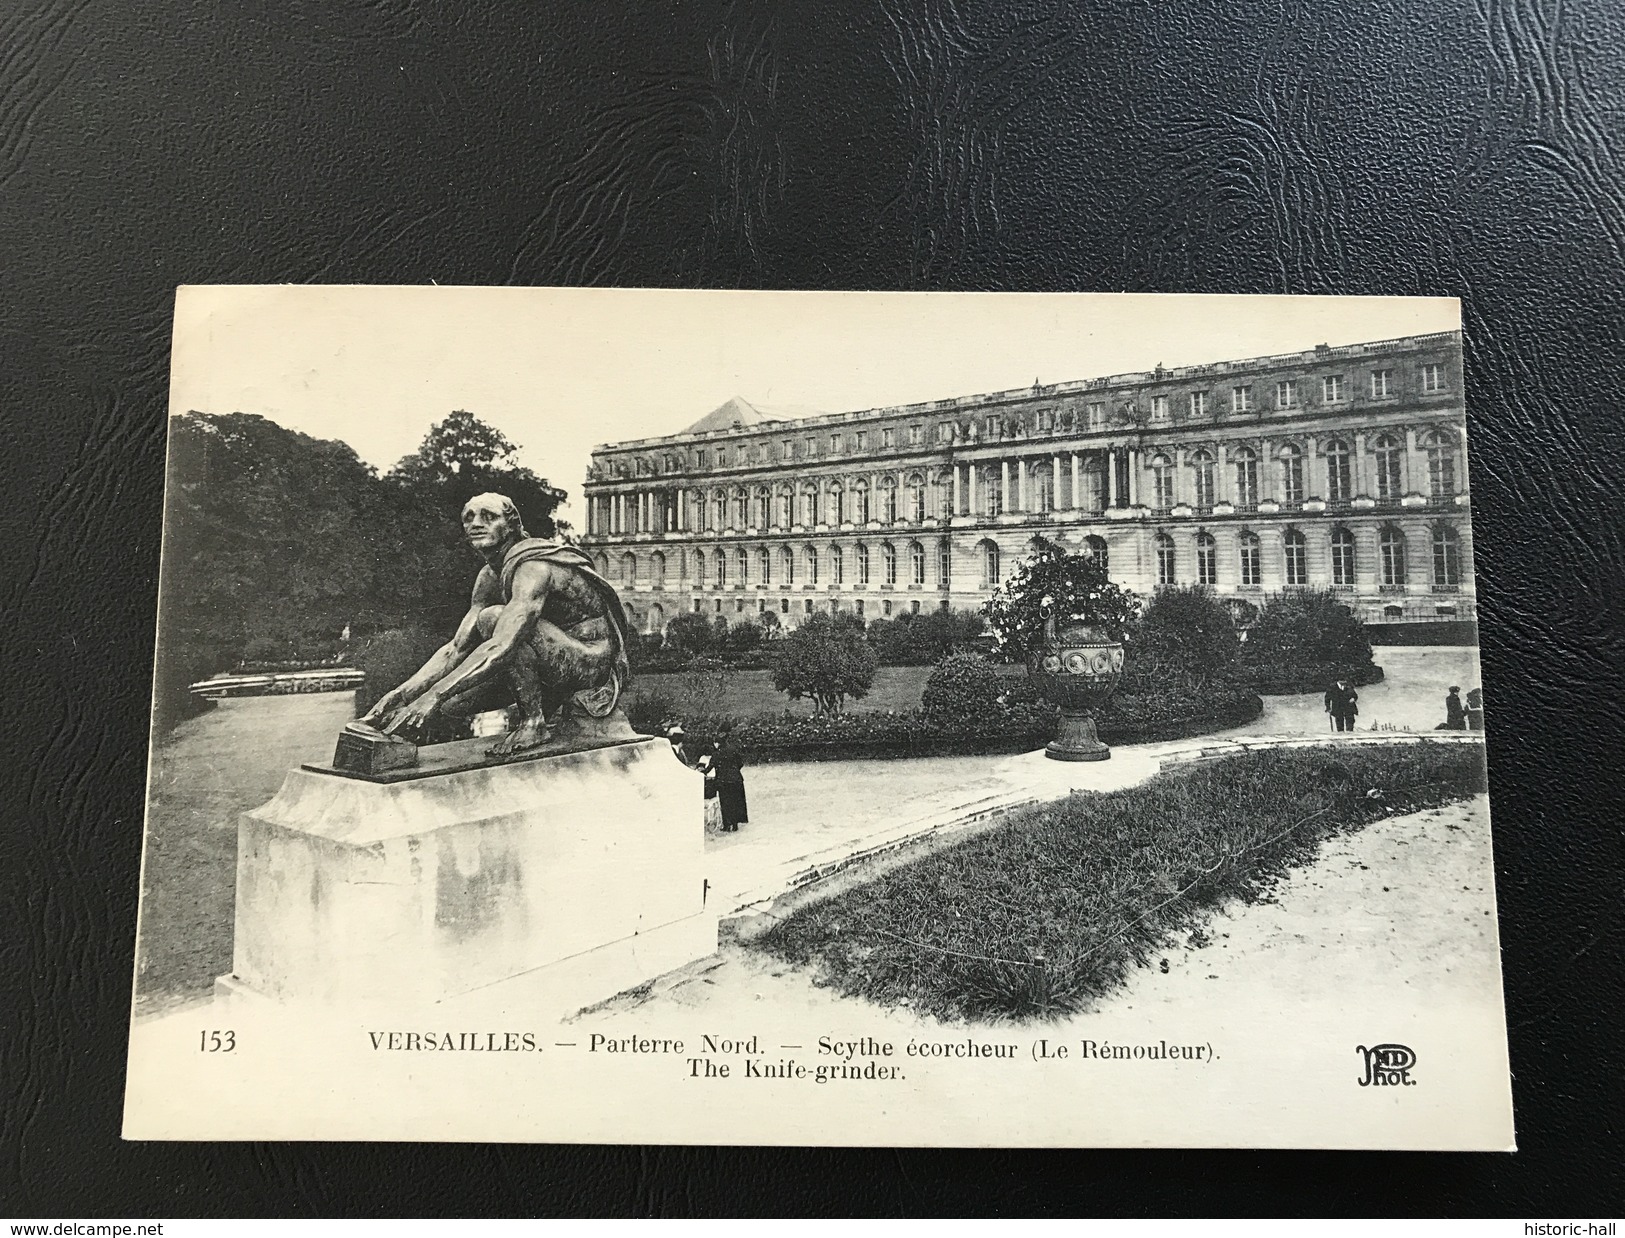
pixel 729 763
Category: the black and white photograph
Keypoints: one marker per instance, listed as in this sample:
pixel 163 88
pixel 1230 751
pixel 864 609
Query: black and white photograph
pixel 896 719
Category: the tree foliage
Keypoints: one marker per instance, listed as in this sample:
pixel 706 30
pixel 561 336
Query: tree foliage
pixel 1185 631
pixel 926 638
pixel 1307 627
pixel 826 661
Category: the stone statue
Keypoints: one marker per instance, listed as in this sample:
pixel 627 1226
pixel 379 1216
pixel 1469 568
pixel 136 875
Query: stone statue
pixel 544 633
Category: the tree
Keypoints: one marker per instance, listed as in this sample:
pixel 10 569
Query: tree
pixel 462 456
pixel 1186 631
pixel 1307 627
pixel 825 661
pixel 690 634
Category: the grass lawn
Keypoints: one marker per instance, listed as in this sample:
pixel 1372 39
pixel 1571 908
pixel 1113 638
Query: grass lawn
pixel 1037 917
pixel 752 692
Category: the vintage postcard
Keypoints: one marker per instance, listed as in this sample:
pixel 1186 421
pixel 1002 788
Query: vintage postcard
pixel 818 718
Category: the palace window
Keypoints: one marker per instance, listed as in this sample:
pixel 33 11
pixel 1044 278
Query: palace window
pixel 1159 408
pixel 719 511
pixel 809 506
pixel 1043 482
pixel 1241 399
pixel 742 562
pixel 1097 415
pixel 916 563
pixel 1339 476
pixel 1246 477
pixel 1382 384
pixel 1392 554
pixel 1207 559
pixel 787 450
pixel 1296 548
pixel 722 570
pixel 1286 393
pixel 834 444
pixel 990 565
pixel 863 563
pixel 945 562
pixel 857 608
pixel 888 437
pixel 863 440
pixel 888 563
pixel 1333 390
pixel 1390 468
pixel 809 559
pixel 945 431
pixel 916 435
pixel 916 498
pixel 1162 482
pixel 1433 377
pixel 764 566
pixel 1343 558
pixel 806 606
pixel 1252 573
pixel 1441 464
pixel 837 565
pixel 657 570
pixel 760 509
pixel 1045 421
pixel 860 502
pixel 836 501
pixel 1198 404
pixel 1446 556
pixel 629 568
pixel 699 569
pixel 785 504
pixel 992 491
pixel 1291 473
pixel 888 500
pixel 787 566
pixel 699 458
pixel 1203 477
pixel 1166 573
pixel 1094 549
pixel 722 457
pixel 809 446
pixel 740 503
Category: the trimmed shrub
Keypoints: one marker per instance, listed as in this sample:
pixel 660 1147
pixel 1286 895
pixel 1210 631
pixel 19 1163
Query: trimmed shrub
pixel 963 685
pixel 826 661
pixel 1185 631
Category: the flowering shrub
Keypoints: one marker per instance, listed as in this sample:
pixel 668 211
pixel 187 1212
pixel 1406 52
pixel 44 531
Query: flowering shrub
pixel 1052 583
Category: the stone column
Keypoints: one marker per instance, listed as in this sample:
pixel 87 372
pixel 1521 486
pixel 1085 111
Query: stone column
pixel 1413 479
pixel 1310 475
pixel 1004 486
pixel 1221 475
pixel 959 492
pixel 1182 484
pixel 1077 478
pixel 1111 477
pixel 1134 477
pixel 1357 467
pixel 1269 471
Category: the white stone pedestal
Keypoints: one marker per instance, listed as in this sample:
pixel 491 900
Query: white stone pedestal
pixel 438 884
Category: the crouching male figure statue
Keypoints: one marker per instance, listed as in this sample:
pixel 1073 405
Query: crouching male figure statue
pixel 544 632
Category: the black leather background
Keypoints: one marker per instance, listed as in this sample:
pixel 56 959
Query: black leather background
pixel 1467 147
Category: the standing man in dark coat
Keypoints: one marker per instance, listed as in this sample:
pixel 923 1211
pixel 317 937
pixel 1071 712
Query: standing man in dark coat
pixel 1342 704
pixel 1455 713
pixel 729 763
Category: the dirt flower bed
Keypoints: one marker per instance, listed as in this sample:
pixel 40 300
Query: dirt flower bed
pixel 1053 909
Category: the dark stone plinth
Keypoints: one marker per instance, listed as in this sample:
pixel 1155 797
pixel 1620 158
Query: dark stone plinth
pixel 1076 740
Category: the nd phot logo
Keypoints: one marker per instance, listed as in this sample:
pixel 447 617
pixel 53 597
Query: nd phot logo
pixel 1387 1065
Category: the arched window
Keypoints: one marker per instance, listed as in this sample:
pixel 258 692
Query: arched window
pixel 764 566
pixel 1342 557
pixel 1094 549
pixel 657 570
pixel 1339 471
pixel 888 563
pixel 787 566
pixel 1390 467
pixel 916 498
pixel 760 509
pixel 1441 451
pixel 888 500
pixel 1252 573
pixel 860 502
pixel 809 506
pixel 990 565
pixel 739 509
pixel 837 565
pixel 835 502
pixel 1446 556
pixel 1203 478
pixel 1392 554
pixel 1162 482
pixel 1246 461
pixel 1291 457
pixel 719 510
pixel 1167 572
pixel 722 570
pixel 916 563
pixel 863 563
pixel 742 562
pixel 809 559
pixel 1094 485
pixel 992 491
pixel 1207 559
pixel 601 565
pixel 699 569
pixel 629 568
pixel 1296 549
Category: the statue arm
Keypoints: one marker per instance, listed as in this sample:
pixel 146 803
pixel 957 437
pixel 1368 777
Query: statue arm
pixel 514 626
pixel 440 664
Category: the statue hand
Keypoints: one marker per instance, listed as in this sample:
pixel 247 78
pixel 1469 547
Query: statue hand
pixel 381 709
pixel 414 716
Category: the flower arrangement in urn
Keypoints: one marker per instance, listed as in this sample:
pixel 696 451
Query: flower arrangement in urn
pixel 1064 617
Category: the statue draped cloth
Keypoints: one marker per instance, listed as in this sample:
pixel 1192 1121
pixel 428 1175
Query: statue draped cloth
pixel 536 549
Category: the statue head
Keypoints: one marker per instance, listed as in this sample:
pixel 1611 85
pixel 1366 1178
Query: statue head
pixel 491 521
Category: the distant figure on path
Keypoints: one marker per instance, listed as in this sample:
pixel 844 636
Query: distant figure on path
pixel 1342 703
pixel 1475 709
pixel 729 762
pixel 1455 714
pixel 706 763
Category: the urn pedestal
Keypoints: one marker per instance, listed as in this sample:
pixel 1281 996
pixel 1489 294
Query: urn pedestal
pixel 1077 667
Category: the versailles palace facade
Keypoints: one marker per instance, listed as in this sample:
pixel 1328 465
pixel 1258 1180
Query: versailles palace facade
pixel 1342 468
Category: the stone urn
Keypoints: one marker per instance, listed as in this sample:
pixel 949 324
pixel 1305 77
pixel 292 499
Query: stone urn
pixel 1076 666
